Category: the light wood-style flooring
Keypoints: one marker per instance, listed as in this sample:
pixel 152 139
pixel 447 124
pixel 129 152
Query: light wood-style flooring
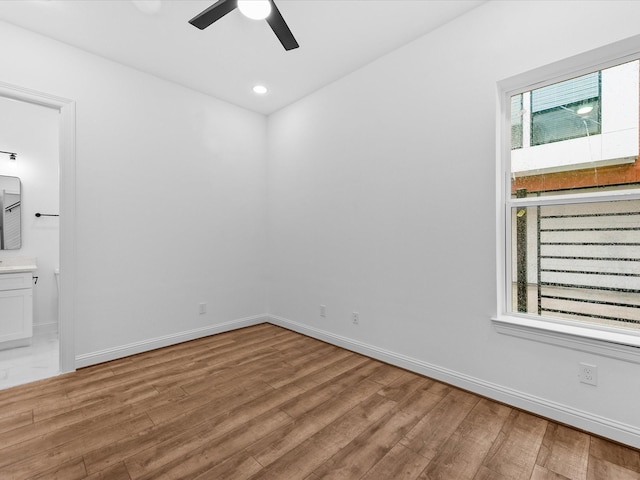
pixel 267 403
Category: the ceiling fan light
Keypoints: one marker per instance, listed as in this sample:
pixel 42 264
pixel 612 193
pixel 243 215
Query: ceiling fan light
pixel 255 9
pixel 260 89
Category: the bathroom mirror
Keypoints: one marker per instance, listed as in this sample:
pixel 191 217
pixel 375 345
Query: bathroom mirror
pixel 10 207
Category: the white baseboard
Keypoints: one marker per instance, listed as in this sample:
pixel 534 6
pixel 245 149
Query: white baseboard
pixel 45 328
pixel 41 329
pixel 11 344
pixel 623 433
pixel 114 353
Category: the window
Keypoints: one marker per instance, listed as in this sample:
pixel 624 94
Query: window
pixel 571 204
pixel 566 110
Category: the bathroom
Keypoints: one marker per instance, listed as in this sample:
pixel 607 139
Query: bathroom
pixel 29 138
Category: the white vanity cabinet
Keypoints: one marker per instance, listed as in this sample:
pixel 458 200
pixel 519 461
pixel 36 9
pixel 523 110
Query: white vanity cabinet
pixel 16 306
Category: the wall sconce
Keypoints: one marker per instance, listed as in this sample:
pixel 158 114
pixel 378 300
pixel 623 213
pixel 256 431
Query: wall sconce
pixel 12 155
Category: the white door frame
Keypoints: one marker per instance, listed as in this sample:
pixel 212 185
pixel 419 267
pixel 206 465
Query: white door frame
pixel 67 160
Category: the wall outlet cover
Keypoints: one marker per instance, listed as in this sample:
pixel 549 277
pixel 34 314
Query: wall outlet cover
pixel 588 374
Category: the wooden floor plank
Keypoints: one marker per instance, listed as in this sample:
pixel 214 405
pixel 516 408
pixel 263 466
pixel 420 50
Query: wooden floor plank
pixel 435 428
pixel 316 397
pixel 513 455
pixel 14 421
pixel 179 422
pixel 116 472
pixel 542 473
pixel 599 469
pixel 462 454
pixel 485 473
pixel 565 451
pixel 219 424
pixel 264 402
pixel 66 405
pixel 615 453
pixel 403 386
pixel 72 470
pixel 48 458
pixel 297 356
pixel 317 371
pixel 375 442
pixel 240 466
pixel 281 441
pixel 399 463
pixel 309 455
pixel 82 418
pixel 386 374
pixel 214 451
pixel 231 394
pixel 45 427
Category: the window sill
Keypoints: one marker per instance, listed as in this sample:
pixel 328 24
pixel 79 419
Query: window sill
pixel 618 345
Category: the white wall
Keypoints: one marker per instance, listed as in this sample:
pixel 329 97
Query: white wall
pixel 170 199
pixel 382 201
pixel 32 132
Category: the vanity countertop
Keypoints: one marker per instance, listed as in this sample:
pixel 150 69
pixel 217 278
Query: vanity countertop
pixel 18 264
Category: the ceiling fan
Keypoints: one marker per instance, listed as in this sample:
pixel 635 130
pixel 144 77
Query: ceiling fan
pixel 264 9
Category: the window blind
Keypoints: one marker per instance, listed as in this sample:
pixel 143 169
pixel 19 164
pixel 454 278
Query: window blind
pixel 565 93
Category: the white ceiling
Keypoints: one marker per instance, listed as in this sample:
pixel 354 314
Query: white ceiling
pixel 225 60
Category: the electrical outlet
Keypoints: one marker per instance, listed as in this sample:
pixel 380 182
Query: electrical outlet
pixel 355 318
pixel 588 374
pixel 323 310
pixel 202 308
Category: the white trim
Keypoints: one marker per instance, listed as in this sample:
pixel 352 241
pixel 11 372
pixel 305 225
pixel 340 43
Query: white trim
pixel 67 295
pixel 67 130
pixel 21 342
pixel 599 59
pixel 106 355
pixel 45 328
pixel 617 431
pixel 35 97
pixel 618 345
pixel 573 198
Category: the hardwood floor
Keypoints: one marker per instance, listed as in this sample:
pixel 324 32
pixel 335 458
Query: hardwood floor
pixel 267 403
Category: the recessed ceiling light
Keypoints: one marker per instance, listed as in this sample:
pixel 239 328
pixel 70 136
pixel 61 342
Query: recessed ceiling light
pixel 584 110
pixel 255 9
pixel 260 89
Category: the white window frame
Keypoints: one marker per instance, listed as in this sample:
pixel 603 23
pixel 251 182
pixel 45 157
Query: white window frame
pixel 620 343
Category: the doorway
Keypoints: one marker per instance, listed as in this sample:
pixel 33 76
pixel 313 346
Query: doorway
pixel 64 284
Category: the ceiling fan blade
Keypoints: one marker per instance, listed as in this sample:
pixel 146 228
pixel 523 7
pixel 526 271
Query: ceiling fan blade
pixel 213 13
pixel 281 29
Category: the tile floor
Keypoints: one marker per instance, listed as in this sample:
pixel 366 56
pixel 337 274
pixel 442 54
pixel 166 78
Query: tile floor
pixel 27 364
